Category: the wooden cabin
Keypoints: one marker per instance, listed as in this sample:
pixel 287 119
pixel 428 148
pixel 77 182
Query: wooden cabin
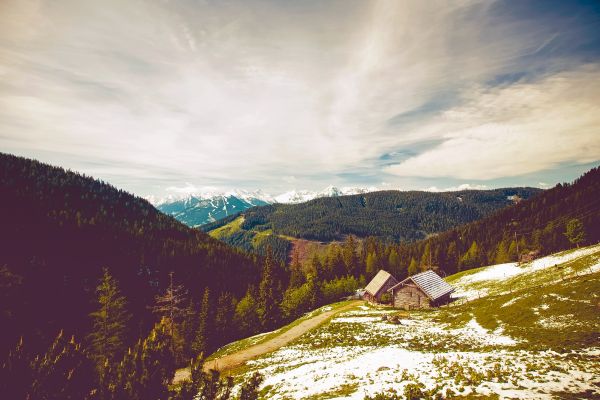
pixel 378 286
pixel 424 290
pixel 529 257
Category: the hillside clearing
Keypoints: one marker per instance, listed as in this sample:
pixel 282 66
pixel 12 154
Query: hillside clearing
pixel 533 334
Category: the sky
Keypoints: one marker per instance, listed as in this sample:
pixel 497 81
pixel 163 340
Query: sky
pixel 157 97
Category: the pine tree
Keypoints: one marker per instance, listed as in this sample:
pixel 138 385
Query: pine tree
pixel 370 265
pixel 63 372
pixel 471 258
pixel 224 316
pixel 107 339
pixel 413 267
pixel 268 311
pixel 249 389
pixel 189 327
pixel 502 254
pixel 425 263
pixel 575 232
pixel 171 305
pixel 157 362
pixel 512 251
pixel 349 256
pixel 202 338
pixel 297 277
pixel 246 316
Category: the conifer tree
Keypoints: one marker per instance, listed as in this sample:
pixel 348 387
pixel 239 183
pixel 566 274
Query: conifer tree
pixel 189 327
pixel 268 311
pixel 349 256
pixel 171 305
pixel 502 255
pixel 471 258
pixel 370 265
pixel 201 340
pixel 246 316
pixel 157 362
pixel 413 267
pixel 224 316
pixel 426 257
pixel 107 339
pixel 63 372
pixel 575 232
pixel 249 389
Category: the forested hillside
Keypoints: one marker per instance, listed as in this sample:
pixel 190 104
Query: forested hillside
pixel 560 218
pixel 394 215
pixel 60 229
pixel 391 216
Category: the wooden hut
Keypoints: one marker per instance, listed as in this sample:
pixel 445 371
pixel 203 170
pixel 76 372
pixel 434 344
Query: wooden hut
pixel 378 286
pixel 529 257
pixel 423 290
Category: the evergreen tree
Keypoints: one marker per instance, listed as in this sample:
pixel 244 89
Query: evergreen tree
pixel 502 254
pixel 268 311
pixel 224 316
pixel 107 339
pixel 189 327
pixel 296 275
pixel 425 263
pixel 63 372
pixel 575 232
pixel 171 305
pixel 349 256
pixel 512 251
pixel 249 389
pixel 413 267
pixel 157 363
pixel 394 261
pixel 201 340
pixel 246 316
pixel 370 266
pixel 471 258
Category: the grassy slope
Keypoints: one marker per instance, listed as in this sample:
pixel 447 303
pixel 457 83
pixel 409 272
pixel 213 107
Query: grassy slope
pixel 549 316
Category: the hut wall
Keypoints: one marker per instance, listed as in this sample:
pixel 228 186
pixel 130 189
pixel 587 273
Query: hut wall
pixel 410 297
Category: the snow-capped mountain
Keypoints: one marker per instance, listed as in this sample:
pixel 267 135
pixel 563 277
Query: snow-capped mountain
pixel 294 197
pixel 196 210
pixel 202 208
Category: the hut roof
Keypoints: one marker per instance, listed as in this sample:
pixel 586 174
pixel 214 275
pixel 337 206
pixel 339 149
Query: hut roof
pixel 377 283
pixel 430 283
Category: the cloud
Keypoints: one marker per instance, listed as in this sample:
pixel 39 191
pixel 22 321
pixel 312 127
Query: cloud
pixel 153 94
pixel 514 130
pixel 464 186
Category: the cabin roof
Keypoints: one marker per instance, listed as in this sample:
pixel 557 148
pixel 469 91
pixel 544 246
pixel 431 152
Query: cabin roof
pixel 430 283
pixel 377 283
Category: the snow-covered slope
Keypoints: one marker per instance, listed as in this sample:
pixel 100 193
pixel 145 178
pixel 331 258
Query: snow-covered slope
pixel 531 331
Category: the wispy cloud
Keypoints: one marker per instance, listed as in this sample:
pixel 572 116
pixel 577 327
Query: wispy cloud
pixel 266 94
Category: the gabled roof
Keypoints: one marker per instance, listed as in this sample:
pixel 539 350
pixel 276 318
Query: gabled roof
pixel 377 283
pixel 430 283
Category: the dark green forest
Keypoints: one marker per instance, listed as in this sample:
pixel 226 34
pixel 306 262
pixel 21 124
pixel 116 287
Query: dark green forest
pixel 388 215
pixel 391 216
pixel 540 224
pixel 104 297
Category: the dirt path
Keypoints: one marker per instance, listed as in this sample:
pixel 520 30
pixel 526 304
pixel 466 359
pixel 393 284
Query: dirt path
pixel 240 357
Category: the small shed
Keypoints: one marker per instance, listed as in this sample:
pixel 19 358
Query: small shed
pixel 378 286
pixel 423 290
pixel 529 257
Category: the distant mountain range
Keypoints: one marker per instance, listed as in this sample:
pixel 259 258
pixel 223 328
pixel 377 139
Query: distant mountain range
pixel 198 209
